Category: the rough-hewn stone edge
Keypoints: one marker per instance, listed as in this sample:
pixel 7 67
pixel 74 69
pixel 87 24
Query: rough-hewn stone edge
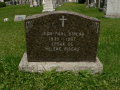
pixel 94 67
pixel 61 12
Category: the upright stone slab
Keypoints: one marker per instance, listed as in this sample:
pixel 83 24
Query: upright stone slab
pixel 113 8
pixel 1 0
pixel 61 40
pixel 35 4
pixel 48 6
pixel 54 3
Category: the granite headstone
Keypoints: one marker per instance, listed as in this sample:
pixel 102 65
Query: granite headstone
pixel 61 40
pixel 61 36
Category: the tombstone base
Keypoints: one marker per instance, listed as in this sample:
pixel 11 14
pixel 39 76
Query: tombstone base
pixel 50 10
pixel 94 67
pixel 112 16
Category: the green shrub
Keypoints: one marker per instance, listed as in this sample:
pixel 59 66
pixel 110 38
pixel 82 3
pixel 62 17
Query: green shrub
pixel 2 4
pixel 81 1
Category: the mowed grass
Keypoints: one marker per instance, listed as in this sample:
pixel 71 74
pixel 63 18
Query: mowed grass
pixel 12 47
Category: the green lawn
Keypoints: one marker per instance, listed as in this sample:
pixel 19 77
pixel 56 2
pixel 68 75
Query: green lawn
pixel 12 47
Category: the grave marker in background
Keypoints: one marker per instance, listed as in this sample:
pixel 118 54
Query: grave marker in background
pixel 48 6
pixel 19 17
pixel 113 8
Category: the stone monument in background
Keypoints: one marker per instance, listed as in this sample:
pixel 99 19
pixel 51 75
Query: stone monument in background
pixel 61 40
pixel 1 0
pixel 48 6
pixel 113 8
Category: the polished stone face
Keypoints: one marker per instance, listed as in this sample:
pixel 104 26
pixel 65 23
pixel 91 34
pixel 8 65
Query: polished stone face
pixel 61 36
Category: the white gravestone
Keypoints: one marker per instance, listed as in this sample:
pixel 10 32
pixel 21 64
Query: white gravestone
pixel 48 6
pixel 35 3
pixel 20 17
pixel 31 3
pixel 113 8
pixel 1 0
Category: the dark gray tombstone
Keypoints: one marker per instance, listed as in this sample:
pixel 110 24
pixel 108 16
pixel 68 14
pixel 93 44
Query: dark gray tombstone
pixel 62 37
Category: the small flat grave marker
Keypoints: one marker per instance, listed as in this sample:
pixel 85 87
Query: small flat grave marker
pixel 20 17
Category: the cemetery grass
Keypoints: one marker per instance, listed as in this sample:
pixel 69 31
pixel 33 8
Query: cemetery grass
pixel 12 47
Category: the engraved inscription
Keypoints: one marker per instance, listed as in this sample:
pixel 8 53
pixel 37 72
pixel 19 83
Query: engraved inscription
pixel 20 18
pixel 62 41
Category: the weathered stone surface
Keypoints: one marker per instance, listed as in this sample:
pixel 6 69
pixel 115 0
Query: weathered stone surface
pixel 94 67
pixel 61 37
pixel 113 8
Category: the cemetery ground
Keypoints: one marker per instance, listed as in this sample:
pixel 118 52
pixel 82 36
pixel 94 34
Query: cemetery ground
pixel 12 47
